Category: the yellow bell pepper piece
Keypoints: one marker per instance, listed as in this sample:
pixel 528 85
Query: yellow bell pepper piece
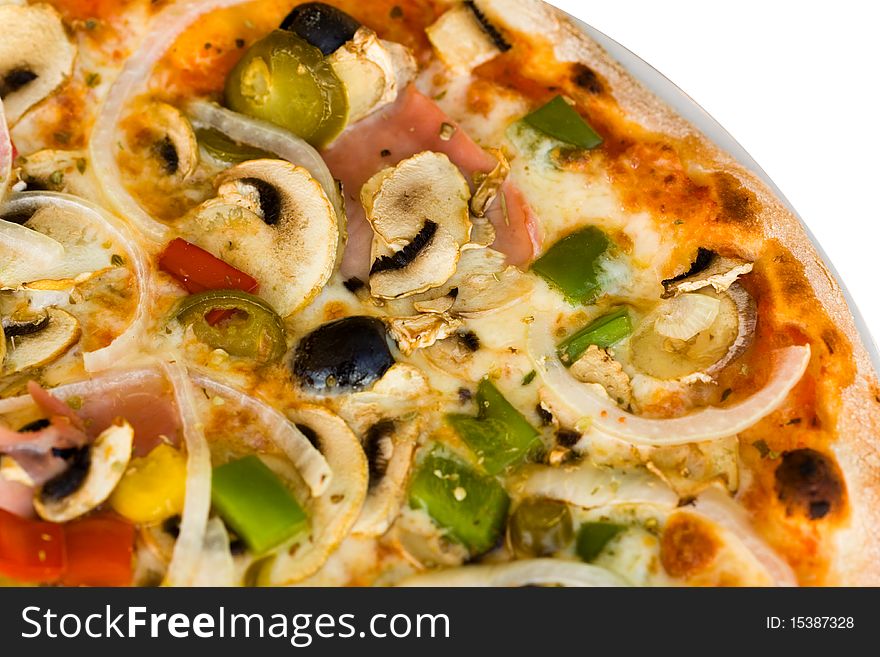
pixel 153 487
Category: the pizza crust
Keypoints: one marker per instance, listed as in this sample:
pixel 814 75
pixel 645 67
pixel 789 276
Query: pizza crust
pixel 856 559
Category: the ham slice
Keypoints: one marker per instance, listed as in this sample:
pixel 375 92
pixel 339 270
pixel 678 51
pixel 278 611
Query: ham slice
pixel 409 126
pixel 7 154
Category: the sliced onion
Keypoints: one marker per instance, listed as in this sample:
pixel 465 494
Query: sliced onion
pixel 309 462
pixel 717 506
pixel 183 568
pixel 332 514
pixel 589 486
pixel 32 252
pixel 5 154
pixel 684 316
pixel 125 344
pixel 216 566
pixel 270 138
pixel 584 400
pixel 528 572
pixel 164 29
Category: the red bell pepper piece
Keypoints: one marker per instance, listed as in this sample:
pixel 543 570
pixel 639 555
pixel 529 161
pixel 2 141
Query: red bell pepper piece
pixel 198 271
pixel 99 551
pixel 31 550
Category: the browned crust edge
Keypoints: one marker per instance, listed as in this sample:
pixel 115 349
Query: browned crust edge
pixel 856 559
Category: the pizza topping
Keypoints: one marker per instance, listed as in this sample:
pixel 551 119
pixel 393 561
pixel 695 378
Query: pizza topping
pixel 602 332
pixel 322 25
pixel 286 81
pixel 389 446
pixel 592 537
pixel 472 507
pixel 57 171
pixel 274 221
pixel 539 528
pixel 598 366
pixel 694 335
pixel 463 38
pixel 584 401
pixel 559 120
pixel 574 265
pixel 809 482
pixel 488 186
pixel 24 321
pixel 197 270
pixel 36 56
pixel 709 268
pixel 39 346
pixel 419 213
pixel 227 150
pixel 373 72
pixel 83 487
pixel 253 331
pixel 422 330
pixel 525 572
pixel 499 435
pixel 172 141
pixel 349 353
pixel 153 487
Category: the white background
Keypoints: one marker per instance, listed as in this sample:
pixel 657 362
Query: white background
pixel 798 85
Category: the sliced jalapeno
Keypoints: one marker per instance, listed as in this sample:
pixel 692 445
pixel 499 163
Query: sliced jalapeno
pixel 254 331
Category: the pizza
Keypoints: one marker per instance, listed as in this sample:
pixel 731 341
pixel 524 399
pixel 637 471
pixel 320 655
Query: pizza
pixel 402 292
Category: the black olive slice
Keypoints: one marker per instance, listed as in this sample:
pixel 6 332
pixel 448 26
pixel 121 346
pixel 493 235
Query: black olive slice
pixel 323 26
pixel 408 253
pixel 348 353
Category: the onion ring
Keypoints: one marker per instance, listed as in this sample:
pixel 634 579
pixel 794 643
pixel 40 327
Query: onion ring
pixel 790 364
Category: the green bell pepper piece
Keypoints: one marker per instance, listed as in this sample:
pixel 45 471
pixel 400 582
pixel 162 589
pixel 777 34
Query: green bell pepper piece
pixel 255 332
pixel 472 507
pixel 500 436
pixel 255 503
pixel 603 332
pixel 592 538
pixel 561 121
pixel 572 265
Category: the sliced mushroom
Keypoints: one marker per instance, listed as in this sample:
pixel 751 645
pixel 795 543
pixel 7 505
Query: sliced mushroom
pixel 463 38
pixel 372 70
pixel 400 392
pixel 57 171
pixel 423 330
pixel 389 446
pixel 172 140
pixel 423 542
pixel 273 220
pixel 707 351
pixel 483 284
pixel 36 56
pixel 488 185
pixel 331 514
pixel 419 213
pixel 598 366
pixel 709 268
pixel 60 500
pixel 41 346
pixel 25 321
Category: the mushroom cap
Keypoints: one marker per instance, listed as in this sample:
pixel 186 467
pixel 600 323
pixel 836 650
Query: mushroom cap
pixel 110 454
pixel 36 56
pixel 419 212
pixel 43 346
pixel 294 257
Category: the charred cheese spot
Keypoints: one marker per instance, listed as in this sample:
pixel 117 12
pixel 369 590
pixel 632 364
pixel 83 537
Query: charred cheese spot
pixel 737 204
pixel 585 78
pixel 688 545
pixel 810 483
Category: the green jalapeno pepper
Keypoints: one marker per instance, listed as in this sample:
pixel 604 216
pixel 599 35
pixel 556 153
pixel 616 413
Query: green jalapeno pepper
pixel 255 331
